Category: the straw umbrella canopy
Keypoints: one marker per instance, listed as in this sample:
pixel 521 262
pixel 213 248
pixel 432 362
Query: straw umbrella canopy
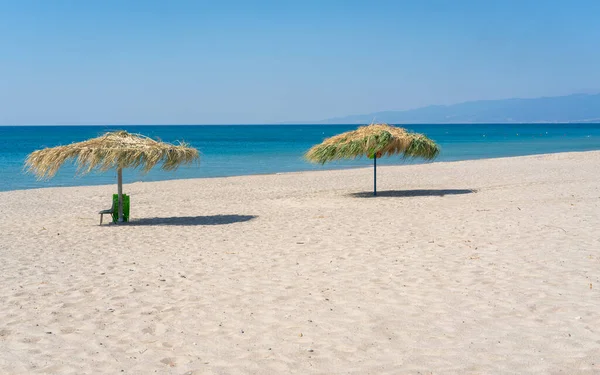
pixel 374 141
pixel 118 149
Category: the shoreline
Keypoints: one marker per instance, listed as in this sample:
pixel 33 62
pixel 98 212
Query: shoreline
pixel 309 171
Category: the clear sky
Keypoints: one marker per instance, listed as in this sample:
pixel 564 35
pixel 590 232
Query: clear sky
pixel 252 61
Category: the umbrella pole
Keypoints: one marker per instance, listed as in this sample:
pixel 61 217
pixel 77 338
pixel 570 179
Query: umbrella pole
pixel 375 175
pixel 120 192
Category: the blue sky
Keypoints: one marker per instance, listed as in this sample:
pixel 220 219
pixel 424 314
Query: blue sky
pixel 199 62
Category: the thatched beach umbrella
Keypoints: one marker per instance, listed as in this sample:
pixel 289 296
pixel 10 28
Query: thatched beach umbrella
pixel 118 149
pixel 374 141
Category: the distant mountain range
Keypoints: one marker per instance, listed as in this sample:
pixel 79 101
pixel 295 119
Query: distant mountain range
pixel 570 108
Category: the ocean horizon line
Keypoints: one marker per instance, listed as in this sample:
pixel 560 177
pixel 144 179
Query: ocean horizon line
pixel 595 121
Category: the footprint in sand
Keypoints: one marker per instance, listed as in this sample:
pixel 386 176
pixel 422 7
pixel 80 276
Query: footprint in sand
pixel 67 330
pixel 30 340
pixel 168 361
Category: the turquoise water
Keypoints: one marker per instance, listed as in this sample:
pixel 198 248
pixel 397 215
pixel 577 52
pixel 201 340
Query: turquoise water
pixel 256 149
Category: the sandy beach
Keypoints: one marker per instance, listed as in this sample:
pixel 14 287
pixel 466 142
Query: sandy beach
pixel 472 267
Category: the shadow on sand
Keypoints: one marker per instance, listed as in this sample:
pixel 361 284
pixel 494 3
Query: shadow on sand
pixel 412 193
pixel 192 220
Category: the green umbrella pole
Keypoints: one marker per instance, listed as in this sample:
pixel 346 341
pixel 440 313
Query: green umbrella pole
pixel 120 191
pixel 375 175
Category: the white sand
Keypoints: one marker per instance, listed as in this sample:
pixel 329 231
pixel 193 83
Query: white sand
pixel 291 273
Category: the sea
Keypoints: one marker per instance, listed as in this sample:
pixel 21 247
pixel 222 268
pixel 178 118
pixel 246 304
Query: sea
pixel 234 150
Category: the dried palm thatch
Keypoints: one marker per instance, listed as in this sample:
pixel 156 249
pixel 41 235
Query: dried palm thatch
pixel 374 141
pixel 118 149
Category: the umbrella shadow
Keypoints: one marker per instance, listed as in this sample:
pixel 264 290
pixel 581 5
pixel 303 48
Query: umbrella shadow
pixel 192 220
pixel 413 193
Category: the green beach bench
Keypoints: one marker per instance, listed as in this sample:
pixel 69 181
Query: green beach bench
pixel 114 210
